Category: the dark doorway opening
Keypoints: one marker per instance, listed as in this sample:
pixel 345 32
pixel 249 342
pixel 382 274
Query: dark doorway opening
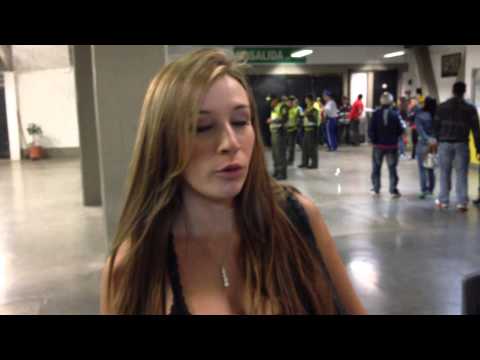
pixel 297 85
pixel 384 81
pixel 4 143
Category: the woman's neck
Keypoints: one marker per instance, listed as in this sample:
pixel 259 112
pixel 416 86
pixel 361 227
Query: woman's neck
pixel 206 217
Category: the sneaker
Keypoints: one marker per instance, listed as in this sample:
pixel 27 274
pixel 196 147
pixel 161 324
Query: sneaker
pixel 476 202
pixel 462 207
pixel 374 192
pixel 396 194
pixel 440 205
pixel 301 166
pixel 422 196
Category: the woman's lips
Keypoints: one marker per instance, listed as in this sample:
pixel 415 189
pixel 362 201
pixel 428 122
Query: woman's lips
pixel 231 172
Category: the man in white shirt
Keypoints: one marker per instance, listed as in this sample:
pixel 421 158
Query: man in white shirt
pixel 331 115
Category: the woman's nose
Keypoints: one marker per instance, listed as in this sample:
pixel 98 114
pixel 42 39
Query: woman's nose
pixel 229 140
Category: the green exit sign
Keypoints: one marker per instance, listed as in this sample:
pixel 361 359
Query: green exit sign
pixel 270 55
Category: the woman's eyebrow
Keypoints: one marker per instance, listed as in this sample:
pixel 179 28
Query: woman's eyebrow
pixel 237 107
pixel 241 106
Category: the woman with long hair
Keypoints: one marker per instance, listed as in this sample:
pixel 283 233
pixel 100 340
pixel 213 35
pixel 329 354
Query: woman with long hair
pixel 426 144
pixel 204 228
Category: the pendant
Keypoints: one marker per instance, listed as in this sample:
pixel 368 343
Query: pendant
pixel 226 283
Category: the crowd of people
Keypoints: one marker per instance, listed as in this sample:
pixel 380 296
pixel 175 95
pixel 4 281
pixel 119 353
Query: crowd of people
pixel 320 123
pixel 439 137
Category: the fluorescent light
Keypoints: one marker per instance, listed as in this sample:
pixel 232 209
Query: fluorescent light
pixel 394 54
pixel 301 53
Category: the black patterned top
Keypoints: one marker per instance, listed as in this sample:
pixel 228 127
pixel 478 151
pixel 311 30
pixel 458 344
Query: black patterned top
pixel 299 218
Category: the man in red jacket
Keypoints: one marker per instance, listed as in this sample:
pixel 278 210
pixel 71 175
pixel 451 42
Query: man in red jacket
pixel 355 114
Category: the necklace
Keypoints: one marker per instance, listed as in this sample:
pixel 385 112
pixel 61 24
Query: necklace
pixel 222 265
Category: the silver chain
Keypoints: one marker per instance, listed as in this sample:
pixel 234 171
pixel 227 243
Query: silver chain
pixel 222 265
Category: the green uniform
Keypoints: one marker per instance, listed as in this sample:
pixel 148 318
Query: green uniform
pixel 279 141
pixel 320 138
pixel 293 115
pixel 310 126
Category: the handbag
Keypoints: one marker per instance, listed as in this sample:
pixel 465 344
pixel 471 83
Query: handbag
pixel 430 161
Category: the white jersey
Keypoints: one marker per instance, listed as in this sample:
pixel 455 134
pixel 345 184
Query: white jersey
pixel 331 110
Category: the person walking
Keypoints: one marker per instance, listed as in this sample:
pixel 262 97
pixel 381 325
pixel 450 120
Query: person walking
pixel 453 122
pixel 384 130
pixel 426 145
pixel 355 116
pixel 331 115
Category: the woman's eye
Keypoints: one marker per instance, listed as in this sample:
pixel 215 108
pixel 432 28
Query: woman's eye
pixel 240 123
pixel 201 129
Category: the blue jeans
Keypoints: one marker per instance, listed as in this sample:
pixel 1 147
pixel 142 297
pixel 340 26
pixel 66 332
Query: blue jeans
pixel 450 155
pixel 401 146
pixel 427 176
pixel 332 133
pixel 392 162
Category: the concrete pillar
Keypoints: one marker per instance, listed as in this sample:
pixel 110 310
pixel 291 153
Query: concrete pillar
pixel 345 82
pixel 370 89
pixel 12 115
pixel 82 61
pixel 425 70
pixel 121 76
pixel 461 71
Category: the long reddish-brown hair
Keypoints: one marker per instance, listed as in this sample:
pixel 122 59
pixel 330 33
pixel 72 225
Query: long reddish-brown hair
pixel 280 269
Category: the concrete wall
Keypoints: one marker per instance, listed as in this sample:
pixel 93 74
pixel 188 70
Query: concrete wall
pixel 444 85
pixel 472 61
pixel 121 77
pixel 47 98
pixel 5 58
pixel 40 57
pixel 46 93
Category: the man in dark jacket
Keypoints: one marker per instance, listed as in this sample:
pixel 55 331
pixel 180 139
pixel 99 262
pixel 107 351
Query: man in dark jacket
pixel 454 121
pixel 384 130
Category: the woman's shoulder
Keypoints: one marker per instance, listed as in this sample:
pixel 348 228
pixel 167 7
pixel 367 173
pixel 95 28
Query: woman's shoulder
pixel 112 272
pixel 120 255
pixel 300 204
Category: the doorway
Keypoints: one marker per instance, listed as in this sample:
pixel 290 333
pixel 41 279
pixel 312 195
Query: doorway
pixel 384 81
pixel 4 143
pixel 297 85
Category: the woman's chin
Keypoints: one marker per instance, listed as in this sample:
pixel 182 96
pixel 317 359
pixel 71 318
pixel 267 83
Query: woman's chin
pixel 227 191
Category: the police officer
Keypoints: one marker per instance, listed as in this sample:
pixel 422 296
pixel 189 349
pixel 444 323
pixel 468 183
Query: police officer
pixel 310 128
pixel 293 116
pixel 321 124
pixel 277 123
pixel 299 139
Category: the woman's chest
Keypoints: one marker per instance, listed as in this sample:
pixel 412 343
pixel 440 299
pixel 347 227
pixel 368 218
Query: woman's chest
pixel 209 287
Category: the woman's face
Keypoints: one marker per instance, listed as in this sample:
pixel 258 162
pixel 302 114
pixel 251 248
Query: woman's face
pixel 223 146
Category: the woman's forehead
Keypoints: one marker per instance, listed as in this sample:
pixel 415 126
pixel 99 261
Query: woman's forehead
pixel 226 93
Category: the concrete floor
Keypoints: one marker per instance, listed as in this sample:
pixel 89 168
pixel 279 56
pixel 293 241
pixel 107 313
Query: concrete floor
pixel 403 256
pixel 51 247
